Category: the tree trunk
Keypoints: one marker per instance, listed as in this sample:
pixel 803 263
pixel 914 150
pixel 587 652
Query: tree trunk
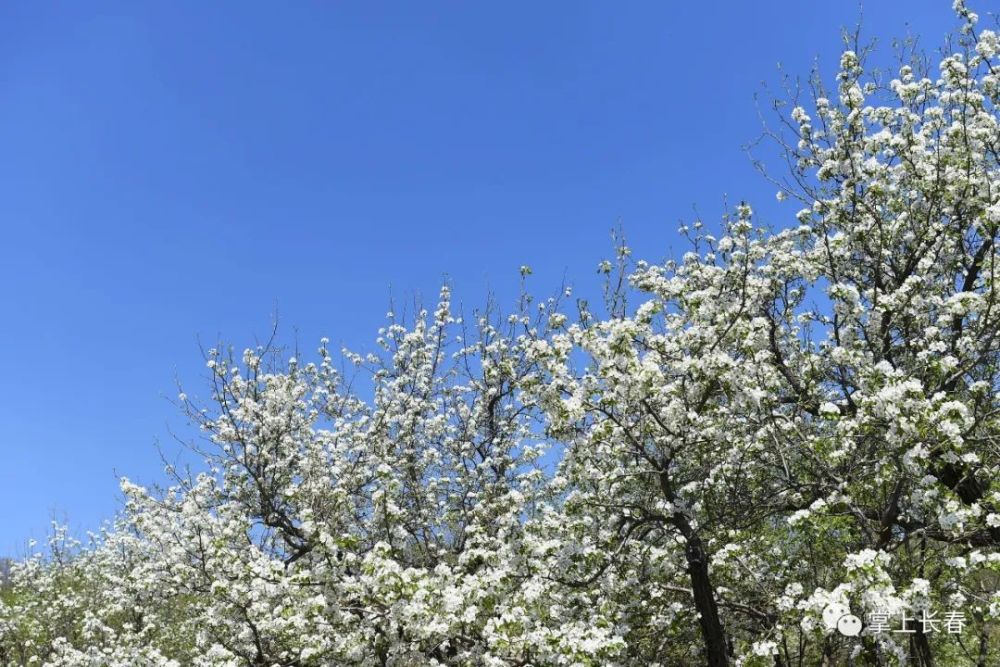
pixel 925 657
pixel 712 633
pixel 714 636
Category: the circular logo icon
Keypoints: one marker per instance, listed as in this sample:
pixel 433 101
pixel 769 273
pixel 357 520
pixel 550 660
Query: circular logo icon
pixel 849 625
pixel 833 613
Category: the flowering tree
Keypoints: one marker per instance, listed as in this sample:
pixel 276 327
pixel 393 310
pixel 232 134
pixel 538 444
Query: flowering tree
pixel 774 456
pixel 778 449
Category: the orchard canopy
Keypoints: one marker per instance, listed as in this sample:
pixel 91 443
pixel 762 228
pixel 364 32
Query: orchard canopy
pixel 781 448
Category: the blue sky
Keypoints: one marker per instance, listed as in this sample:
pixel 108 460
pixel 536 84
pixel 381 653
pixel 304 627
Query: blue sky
pixel 177 171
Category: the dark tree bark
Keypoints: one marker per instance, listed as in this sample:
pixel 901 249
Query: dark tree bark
pixel 704 601
pixel 712 633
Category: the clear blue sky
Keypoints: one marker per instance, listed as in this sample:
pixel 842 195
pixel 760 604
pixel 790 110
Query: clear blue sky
pixel 176 170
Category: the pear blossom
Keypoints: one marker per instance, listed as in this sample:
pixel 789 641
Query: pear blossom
pixel 794 417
